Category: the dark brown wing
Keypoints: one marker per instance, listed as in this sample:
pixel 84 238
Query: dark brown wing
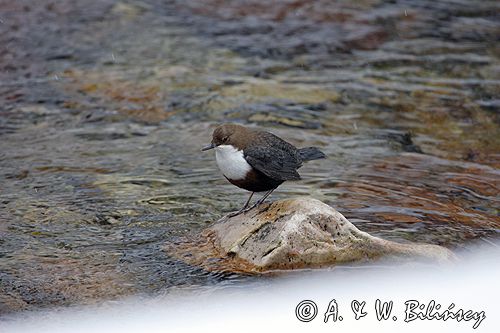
pixel 274 157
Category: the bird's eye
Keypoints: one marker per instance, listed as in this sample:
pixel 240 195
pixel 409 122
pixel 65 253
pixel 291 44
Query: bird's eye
pixel 225 139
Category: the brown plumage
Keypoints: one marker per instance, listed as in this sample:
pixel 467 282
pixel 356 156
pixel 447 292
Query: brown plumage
pixel 256 160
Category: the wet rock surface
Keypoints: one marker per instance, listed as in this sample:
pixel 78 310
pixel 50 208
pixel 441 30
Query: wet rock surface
pixel 291 234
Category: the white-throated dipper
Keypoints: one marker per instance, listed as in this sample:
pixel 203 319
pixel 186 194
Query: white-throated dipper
pixel 257 161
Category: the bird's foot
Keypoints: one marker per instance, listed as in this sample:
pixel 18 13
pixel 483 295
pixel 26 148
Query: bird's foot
pixel 246 208
pixel 233 214
pixel 243 210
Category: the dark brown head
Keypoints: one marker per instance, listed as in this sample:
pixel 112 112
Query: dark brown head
pixel 230 134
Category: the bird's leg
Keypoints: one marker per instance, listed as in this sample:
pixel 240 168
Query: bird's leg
pixel 264 197
pixel 242 209
pixel 248 201
pixel 246 208
pixel 261 200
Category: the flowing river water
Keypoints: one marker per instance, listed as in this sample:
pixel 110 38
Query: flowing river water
pixel 106 104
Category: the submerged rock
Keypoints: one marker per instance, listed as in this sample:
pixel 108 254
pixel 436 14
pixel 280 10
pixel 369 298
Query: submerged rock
pixel 289 234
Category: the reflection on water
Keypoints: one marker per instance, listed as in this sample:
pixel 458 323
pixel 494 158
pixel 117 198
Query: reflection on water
pixel 101 125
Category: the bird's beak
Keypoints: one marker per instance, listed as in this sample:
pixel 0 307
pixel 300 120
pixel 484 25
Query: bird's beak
pixel 210 146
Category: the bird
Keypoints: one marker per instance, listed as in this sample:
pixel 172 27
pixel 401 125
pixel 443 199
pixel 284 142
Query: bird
pixel 257 161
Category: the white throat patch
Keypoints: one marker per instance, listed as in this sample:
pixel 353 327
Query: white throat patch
pixel 231 162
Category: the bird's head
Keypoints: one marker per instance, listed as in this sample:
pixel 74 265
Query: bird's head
pixel 229 134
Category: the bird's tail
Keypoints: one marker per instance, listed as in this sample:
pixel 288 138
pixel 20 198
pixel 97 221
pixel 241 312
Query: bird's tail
pixel 310 153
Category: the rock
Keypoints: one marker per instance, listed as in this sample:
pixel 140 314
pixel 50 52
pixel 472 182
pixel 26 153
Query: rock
pixel 128 11
pixel 290 234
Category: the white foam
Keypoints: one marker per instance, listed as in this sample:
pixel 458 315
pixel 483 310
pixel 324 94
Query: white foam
pixel 269 305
